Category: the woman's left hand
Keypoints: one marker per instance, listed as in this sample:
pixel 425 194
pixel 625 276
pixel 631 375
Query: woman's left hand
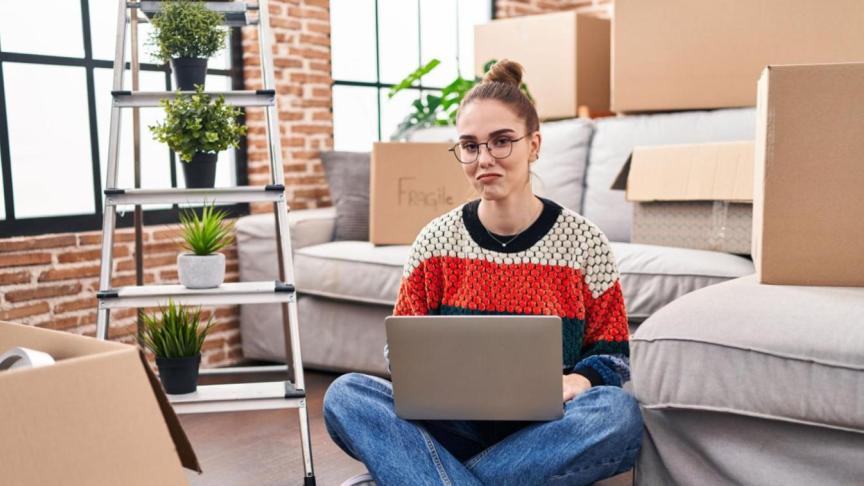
pixel 574 384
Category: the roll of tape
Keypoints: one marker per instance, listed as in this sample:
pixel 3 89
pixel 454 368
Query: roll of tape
pixel 24 358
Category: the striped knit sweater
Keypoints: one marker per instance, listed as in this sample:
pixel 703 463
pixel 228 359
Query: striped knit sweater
pixel 561 265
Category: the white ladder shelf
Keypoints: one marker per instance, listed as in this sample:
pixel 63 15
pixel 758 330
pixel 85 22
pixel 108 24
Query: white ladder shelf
pixel 232 396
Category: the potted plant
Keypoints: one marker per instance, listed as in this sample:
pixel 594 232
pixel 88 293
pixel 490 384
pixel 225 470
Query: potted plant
pixel 198 127
pixel 187 33
pixel 435 110
pixel 203 267
pixel 175 337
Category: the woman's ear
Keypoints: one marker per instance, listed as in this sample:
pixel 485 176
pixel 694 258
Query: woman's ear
pixel 536 140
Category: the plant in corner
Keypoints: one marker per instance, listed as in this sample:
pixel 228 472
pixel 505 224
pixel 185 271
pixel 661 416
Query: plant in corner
pixel 198 126
pixel 187 33
pixel 203 267
pixel 175 336
pixel 434 110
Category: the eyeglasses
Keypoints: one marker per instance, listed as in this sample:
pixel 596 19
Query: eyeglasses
pixel 501 147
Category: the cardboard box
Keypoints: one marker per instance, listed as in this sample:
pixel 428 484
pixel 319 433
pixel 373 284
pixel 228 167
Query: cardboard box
pixel 691 196
pixel 411 183
pixel 565 56
pixel 96 416
pixel 689 54
pixel 808 198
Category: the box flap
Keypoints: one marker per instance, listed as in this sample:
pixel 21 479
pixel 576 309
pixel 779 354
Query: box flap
pixel 96 401
pixel 698 172
pixel 178 435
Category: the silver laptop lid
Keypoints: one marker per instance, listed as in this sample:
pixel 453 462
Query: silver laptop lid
pixel 476 367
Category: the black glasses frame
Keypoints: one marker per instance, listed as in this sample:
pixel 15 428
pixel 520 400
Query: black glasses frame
pixel 486 143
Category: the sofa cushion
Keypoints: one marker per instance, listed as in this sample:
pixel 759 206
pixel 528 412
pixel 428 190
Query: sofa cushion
pixel 651 276
pixel 791 353
pixel 614 139
pixel 348 177
pixel 559 173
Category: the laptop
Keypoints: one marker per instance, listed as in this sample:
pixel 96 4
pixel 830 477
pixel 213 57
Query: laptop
pixel 476 367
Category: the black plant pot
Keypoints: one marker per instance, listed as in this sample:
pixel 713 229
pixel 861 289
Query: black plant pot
pixel 189 71
pixel 201 170
pixel 179 375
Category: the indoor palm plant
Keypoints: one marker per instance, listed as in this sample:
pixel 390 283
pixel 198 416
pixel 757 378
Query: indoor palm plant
pixel 175 336
pixel 198 127
pixel 187 33
pixel 436 110
pixel 202 266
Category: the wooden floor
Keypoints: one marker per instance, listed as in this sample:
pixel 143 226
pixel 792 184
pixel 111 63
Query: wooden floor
pixel 263 448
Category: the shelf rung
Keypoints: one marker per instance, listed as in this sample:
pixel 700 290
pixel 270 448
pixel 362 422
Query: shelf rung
pixel 236 13
pixel 243 370
pixel 274 193
pixel 234 397
pixel 143 99
pixel 228 293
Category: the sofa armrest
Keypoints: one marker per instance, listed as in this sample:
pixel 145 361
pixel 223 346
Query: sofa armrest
pixel 256 239
pixel 307 226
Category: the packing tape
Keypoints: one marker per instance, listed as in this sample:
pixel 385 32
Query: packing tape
pixel 24 358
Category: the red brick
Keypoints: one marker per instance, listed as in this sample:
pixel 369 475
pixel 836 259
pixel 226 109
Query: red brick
pixel 90 255
pixel 69 273
pixel 15 277
pixel 36 242
pixel 312 128
pixel 24 259
pixel 23 311
pixel 43 292
pixel 319 27
pixel 119 237
pixel 74 305
pixel 164 247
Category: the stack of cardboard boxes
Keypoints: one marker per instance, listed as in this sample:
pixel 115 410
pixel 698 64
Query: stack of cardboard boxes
pixel 804 172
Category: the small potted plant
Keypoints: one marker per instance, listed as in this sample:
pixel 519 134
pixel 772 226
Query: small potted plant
pixel 187 33
pixel 198 126
pixel 175 336
pixel 203 267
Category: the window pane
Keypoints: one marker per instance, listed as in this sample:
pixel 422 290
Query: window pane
pixel 394 110
pixel 438 31
pixel 398 39
pixel 471 13
pixel 23 27
pixel 103 28
pixel 355 118
pixel 352 39
pixel 155 165
pixel 49 139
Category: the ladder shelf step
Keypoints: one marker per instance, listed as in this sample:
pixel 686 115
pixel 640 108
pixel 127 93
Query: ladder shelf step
pixel 234 397
pixel 236 13
pixel 143 99
pixel 273 193
pixel 228 293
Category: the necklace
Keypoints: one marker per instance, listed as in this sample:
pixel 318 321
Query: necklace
pixel 504 243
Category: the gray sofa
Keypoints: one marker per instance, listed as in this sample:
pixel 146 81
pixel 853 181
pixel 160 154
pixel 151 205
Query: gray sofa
pixel 346 288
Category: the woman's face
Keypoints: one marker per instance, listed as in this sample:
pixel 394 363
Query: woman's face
pixel 493 122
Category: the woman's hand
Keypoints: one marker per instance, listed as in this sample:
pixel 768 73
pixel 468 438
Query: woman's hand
pixel 574 384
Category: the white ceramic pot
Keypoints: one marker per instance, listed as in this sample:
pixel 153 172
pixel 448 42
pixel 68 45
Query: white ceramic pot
pixel 201 272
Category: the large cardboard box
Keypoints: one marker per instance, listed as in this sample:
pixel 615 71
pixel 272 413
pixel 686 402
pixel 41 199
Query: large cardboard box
pixel 96 416
pixel 808 197
pixel 411 183
pixel 688 54
pixel 691 196
pixel 565 56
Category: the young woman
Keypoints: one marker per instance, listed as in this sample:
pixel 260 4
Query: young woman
pixel 508 252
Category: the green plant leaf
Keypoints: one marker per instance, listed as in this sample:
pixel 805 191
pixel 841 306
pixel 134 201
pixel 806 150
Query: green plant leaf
pixel 414 77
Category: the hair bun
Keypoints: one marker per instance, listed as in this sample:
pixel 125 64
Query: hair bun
pixel 505 71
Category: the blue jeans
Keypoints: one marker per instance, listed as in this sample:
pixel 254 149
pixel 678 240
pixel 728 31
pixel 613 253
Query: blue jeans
pixel 599 436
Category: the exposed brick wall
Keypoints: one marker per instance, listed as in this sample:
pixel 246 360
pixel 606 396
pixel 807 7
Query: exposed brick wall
pixel 517 8
pixel 301 56
pixel 51 281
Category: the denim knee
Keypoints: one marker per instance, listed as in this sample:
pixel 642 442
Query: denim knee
pixel 339 392
pixel 628 424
